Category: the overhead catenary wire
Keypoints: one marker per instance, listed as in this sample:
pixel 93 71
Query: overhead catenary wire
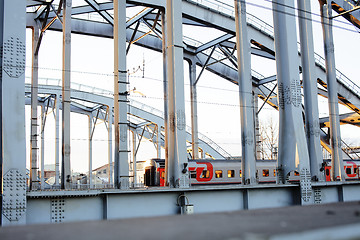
pixel 295 15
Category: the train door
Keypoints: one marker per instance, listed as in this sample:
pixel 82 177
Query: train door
pixel 327 173
pixel 162 176
pixel 149 176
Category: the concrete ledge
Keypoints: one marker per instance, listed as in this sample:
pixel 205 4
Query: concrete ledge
pixel 328 221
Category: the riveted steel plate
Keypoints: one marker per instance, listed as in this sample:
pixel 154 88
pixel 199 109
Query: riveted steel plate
pixel 14 57
pixel 14 195
pixel 57 210
pixel 305 184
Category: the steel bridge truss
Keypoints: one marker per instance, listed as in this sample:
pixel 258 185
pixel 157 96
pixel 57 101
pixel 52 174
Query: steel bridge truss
pixel 158 26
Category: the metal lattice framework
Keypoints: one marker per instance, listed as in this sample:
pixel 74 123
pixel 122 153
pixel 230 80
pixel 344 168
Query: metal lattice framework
pixel 158 26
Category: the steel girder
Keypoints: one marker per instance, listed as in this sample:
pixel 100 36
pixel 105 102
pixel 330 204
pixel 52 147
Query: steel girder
pixel 100 100
pixel 200 15
pixel 258 37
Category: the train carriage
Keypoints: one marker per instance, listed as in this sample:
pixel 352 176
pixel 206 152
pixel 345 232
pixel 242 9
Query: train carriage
pixel 215 172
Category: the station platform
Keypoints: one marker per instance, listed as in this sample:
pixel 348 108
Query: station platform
pixel 327 221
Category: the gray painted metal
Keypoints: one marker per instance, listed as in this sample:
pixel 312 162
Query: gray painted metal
pixel 89 204
pixel 2 20
pixel 194 118
pixel 66 75
pixel 90 134
pixel 110 144
pixel 176 164
pixel 13 160
pixel 136 108
pixel 165 88
pixel 104 14
pixel 57 141
pixel 337 170
pixel 204 16
pixel 44 108
pixel 258 31
pixel 312 126
pixel 34 149
pixel 248 163
pixel 120 97
pixel 293 153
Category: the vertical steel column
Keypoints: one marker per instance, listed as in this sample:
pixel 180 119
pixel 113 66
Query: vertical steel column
pixel 110 120
pixel 90 149
pixel 166 98
pixel 42 136
pixel 194 119
pixel 177 163
pixel 120 96
pixel 337 165
pixel 134 157
pixel 57 140
pixel 257 124
pixel 2 21
pixel 310 89
pixel 293 152
pixel 34 149
pixel 248 163
pixel 66 76
pixel 12 110
pixel 158 143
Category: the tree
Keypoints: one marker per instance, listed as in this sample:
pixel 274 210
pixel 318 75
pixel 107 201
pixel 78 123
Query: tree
pixel 268 143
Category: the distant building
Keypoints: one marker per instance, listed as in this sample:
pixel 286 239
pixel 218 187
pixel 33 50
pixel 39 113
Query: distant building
pixel 102 172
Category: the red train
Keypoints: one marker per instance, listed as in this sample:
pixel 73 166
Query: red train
pixel 207 172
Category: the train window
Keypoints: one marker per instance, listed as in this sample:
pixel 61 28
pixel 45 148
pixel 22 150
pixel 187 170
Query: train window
pixel 274 173
pixel 218 174
pixel 205 174
pixel 327 172
pixel 192 174
pixel 231 173
pixel 296 173
pixel 348 170
pixel 265 172
pixel 163 174
pixel 240 174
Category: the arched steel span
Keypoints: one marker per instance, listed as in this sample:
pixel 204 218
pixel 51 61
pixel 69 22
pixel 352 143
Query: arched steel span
pixel 216 56
pixel 143 115
pixel 207 55
pixel 260 33
pixel 43 15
